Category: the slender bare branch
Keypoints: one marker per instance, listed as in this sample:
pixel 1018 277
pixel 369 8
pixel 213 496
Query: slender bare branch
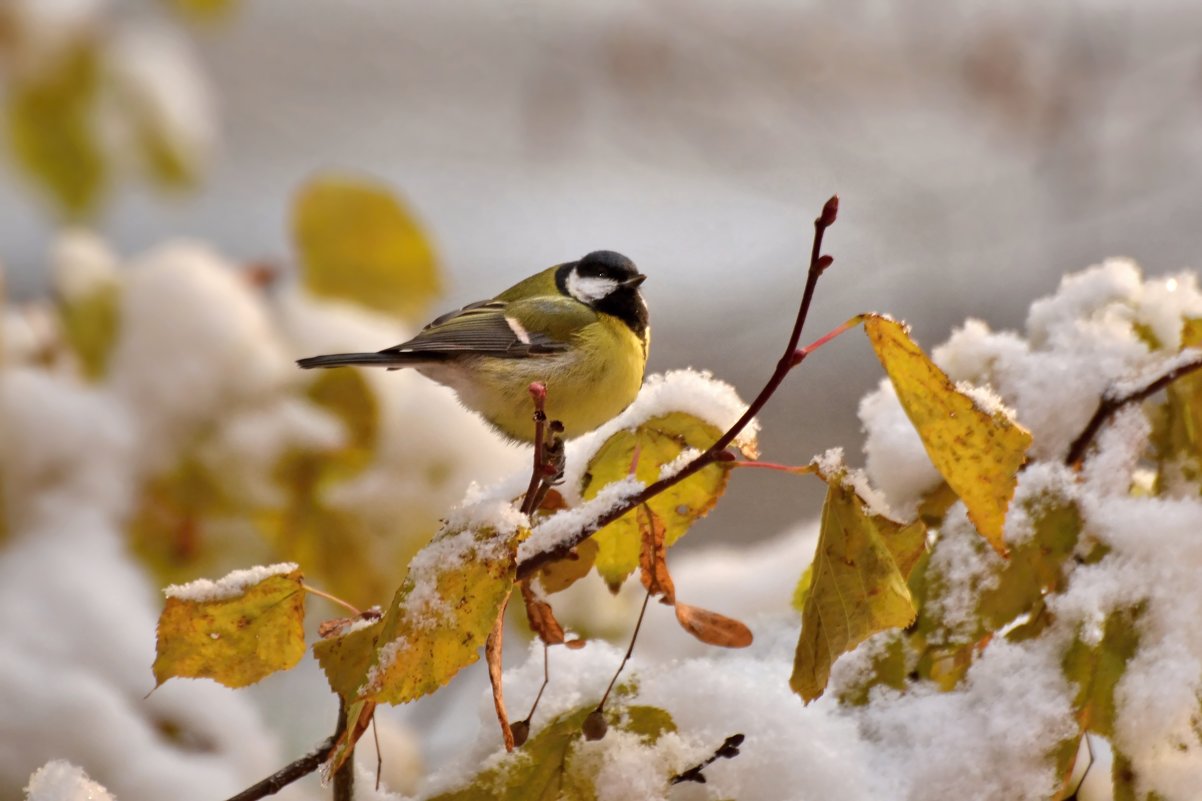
pixel 629 652
pixel 717 452
pixel 1108 406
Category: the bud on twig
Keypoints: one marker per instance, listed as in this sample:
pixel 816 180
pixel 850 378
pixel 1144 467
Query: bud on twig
pixel 830 211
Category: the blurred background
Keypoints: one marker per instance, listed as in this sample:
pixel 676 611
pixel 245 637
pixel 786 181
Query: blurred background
pixel 980 151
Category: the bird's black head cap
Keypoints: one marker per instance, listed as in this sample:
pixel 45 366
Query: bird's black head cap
pixel 609 282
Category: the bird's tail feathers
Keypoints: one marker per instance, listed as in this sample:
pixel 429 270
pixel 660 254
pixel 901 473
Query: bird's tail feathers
pixel 391 360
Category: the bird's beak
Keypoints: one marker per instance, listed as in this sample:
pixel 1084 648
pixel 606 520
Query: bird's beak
pixel 632 283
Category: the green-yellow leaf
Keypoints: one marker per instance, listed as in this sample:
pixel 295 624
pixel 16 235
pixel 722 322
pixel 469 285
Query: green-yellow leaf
pixel 889 669
pixel 977 452
pixel 346 394
pixel 1035 566
pixel 346 658
pixel 167 159
pixel 357 242
pixel 656 443
pixel 1096 669
pixel 858 586
pixel 549 766
pixel 236 631
pixel 52 131
pixel 1177 434
pixel 436 624
pixel 90 324
pixel 183 523
pixel 906 542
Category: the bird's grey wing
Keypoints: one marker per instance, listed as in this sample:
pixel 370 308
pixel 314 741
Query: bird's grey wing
pixel 483 328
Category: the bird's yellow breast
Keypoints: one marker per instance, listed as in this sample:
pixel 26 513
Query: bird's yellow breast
pixel 587 385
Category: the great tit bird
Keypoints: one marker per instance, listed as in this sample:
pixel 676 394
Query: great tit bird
pixel 581 328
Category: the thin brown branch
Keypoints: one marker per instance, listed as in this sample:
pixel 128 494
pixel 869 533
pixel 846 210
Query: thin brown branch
pixel 538 392
pixel 344 777
pixel 299 769
pixel 792 357
pixel 629 652
pixel 286 775
pixel 1109 406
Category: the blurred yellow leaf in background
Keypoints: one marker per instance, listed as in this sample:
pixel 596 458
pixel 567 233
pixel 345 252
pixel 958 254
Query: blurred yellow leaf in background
pixel 50 127
pixel 90 325
pixel 357 242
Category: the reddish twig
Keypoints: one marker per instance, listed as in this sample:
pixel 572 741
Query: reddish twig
pixel 1108 406
pixel 792 357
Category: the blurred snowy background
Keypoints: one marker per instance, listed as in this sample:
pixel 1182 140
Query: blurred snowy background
pixel 980 150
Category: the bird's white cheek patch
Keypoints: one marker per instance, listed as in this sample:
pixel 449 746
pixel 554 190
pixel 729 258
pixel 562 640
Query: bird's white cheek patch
pixel 589 289
pixel 518 330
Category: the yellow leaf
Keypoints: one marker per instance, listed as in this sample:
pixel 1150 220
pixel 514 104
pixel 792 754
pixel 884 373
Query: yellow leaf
pixel 437 621
pixel 889 669
pixel 186 525
pixel 52 131
pixel 656 443
pixel 858 586
pixel 167 160
pixel 977 452
pixel 906 543
pixel 359 243
pixel 359 716
pixel 549 767
pixel 90 325
pixel 562 573
pixel 346 658
pixel 236 631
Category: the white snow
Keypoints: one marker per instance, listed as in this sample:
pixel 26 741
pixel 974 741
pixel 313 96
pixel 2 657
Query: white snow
pixel 160 88
pixel 564 525
pixel 896 460
pixel 59 780
pixel 229 586
pixel 691 391
pixel 202 371
pixel 194 338
pixel 82 263
pixel 993 736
